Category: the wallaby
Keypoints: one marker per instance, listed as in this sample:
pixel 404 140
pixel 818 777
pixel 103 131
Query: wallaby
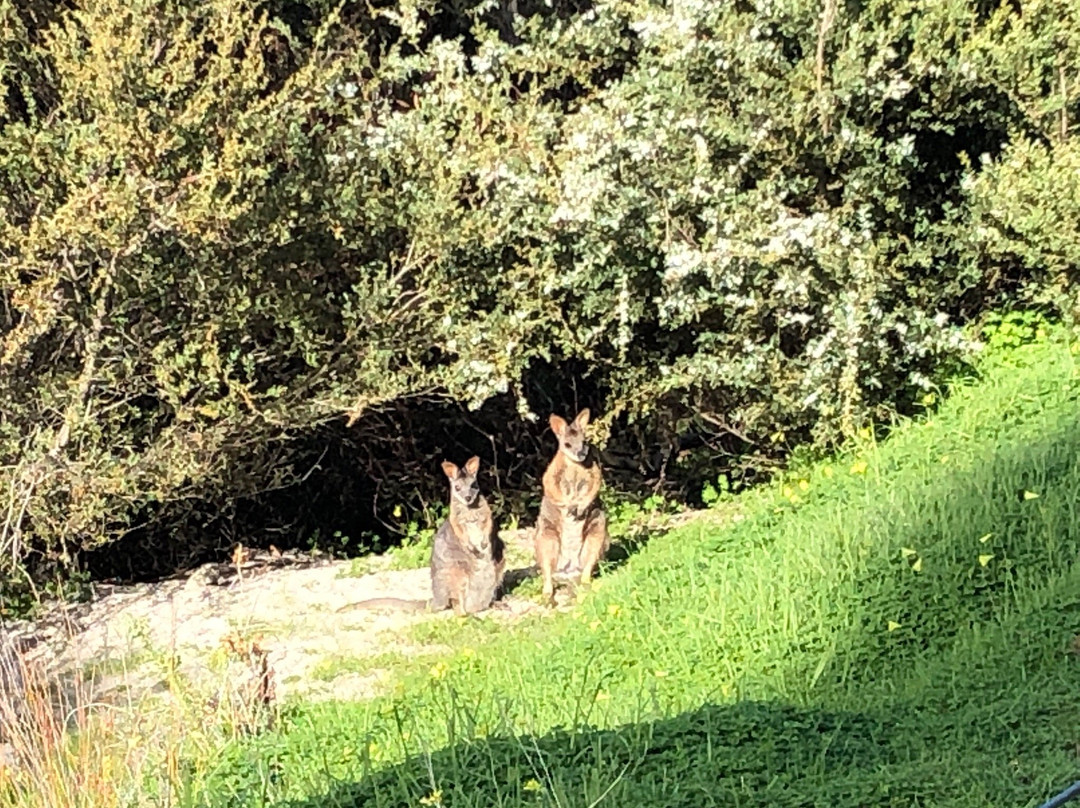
pixel 571 531
pixel 467 563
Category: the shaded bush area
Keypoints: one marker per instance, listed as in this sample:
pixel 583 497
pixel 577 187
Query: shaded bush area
pixel 273 258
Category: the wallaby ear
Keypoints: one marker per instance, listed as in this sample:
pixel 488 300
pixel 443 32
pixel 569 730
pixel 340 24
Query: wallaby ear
pixel 449 469
pixel 472 465
pixel 558 425
pixel 582 419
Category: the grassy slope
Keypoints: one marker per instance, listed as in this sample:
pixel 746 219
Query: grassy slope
pixel 757 660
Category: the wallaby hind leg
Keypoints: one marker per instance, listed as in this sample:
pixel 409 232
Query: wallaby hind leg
pixel 459 588
pixel 440 590
pixel 547 555
pixel 483 585
pixel 594 545
pixel 498 551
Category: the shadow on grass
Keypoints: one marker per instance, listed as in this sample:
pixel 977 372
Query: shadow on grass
pixel 747 754
pixel 516 577
pixel 624 548
pixel 702 758
pixel 629 540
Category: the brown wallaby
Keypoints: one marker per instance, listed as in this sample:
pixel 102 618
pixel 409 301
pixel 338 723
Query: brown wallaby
pixel 571 531
pixel 467 562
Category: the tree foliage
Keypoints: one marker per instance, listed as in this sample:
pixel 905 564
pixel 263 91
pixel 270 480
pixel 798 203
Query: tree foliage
pixel 230 225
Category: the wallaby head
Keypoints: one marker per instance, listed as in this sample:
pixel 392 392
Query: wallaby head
pixel 571 435
pixel 463 485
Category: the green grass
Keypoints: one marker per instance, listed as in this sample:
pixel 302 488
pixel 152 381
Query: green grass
pixel 330 668
pixel 896 631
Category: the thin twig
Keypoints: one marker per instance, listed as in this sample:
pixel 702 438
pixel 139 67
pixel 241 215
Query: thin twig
pixel 1064 103
pixel 828 17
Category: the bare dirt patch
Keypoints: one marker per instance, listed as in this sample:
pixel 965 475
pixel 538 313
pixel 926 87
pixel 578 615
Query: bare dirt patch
pixel 131 637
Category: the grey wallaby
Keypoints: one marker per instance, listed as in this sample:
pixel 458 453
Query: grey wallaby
pixel 467 563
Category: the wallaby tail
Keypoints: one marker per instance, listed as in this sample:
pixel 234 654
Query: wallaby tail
pixel 386 603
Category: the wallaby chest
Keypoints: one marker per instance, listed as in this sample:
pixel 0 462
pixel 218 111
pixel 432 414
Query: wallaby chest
pixel 576 484
pixel 471 524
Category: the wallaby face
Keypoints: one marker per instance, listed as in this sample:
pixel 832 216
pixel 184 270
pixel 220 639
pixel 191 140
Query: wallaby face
pixel 463 485
pixel 571 436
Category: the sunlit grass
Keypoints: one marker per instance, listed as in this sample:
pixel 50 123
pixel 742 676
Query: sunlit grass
pixel 890 627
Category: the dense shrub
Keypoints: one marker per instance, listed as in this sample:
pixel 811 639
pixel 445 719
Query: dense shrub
pixel 230 229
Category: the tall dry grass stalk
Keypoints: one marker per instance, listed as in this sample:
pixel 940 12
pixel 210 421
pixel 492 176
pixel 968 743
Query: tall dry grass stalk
pixel 63 745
